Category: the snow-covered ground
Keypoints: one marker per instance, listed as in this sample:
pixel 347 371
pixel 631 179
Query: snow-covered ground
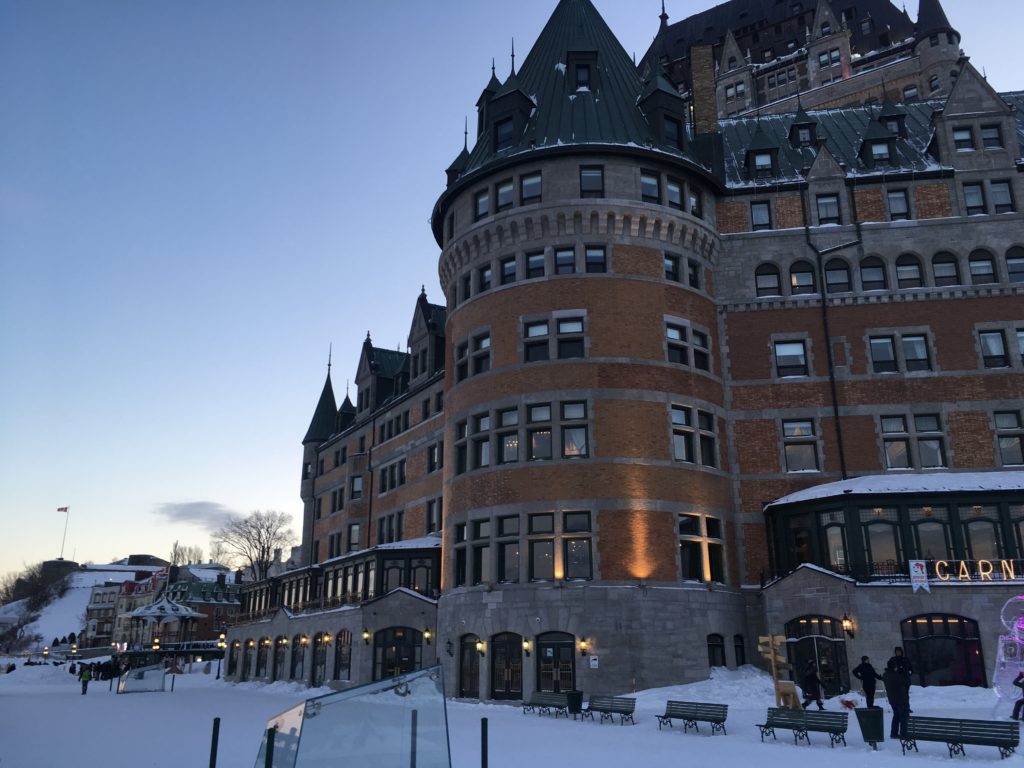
pixel 45 722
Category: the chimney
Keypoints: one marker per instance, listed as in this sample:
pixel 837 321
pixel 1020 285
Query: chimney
pixel 238 576
pixel 221 580
pixel 277 555
pixel 702 76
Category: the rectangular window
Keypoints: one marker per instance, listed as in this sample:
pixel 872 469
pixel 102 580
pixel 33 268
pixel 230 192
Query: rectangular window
pixel 542 560
pixel 693 273
pixel 570 338
pixel 544 523
pixel 591 181
pixel 677 341
pixel 763 163
pixel 880 152
pixel 790 359
pixel 674 194
pixel 461 451
pixel 504 134
pixel 691 559
pixel 482 205
pixel 673 133
pixel 991 137
pixel 508 271
pixel 481 564
pixel 577 559
pixel 483 279
pixel 1015 265
pixel 883 354
pixel 354 537
pixel 760 216
pixel 696 209
pixel 565 261
pixel 690 439
pixel 596 259
pixel 508 561
pixel 1002 197
pixel 993 349
pixel 481 353
pixel 459 576
pixel 582 76
pixel 534 265
pixel 828 209
pixel 461 362
pixel 915 353
pixel 974 199
pixel 1009 436
pixel 800 445
pixel 899 208
pixel 503 194
pixel 915 442
pixel 574 435
pixel 508 447
pixel 530 188
pixel 671 267
pixel 963 140
pixel 650 187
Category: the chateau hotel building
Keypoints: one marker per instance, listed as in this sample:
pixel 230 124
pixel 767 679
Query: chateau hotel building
pixel 696 379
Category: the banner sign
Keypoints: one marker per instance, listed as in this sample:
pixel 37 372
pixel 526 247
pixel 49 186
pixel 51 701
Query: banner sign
pixel 919 575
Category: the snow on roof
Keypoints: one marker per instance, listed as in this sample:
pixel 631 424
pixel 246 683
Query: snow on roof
pixel 206 574
pixel 933 482
pixel 164 610
pixel 423 542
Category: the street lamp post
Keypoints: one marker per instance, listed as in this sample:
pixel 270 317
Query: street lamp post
pixel 222 645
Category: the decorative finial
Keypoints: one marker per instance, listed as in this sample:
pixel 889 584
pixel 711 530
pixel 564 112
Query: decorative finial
pixel 423 290
pixel 346 388
pixel 513 55
pixel 492 67
pixel 330 349
pixel 367 335
pixel 465 136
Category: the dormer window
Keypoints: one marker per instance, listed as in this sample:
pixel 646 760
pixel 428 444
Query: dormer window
pixel 732 63
pixel 880 152
pixel 762 164
pixel 804 136
pixel 582 76
pixel 826 29
pixel 503 134
pixel 892 125
pixel 674 132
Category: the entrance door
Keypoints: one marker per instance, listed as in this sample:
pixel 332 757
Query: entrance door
pixel 944 649
pixel 819 639
pixel 319 661
pixel 469 667
pixel 280 658
pixel 246 662
pixel 556 663
pixel 397 650
pixel 507 666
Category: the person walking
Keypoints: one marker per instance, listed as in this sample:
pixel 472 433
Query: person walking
pixel 85 675
pixel 868 679
pixel 812 686
pixel 897 689
pixel 1019 682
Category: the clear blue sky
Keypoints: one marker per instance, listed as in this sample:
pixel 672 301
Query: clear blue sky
pixel 196 199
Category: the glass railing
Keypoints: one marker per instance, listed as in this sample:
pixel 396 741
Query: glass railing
pixel 400 722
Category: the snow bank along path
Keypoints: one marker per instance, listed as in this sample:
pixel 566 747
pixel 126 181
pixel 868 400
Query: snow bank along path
pixel 46 723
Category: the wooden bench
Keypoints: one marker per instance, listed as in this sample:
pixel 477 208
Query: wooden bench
pixel 802 723
pixel 956 733
pixel 547 703
pixel 692 712
pixel 609 706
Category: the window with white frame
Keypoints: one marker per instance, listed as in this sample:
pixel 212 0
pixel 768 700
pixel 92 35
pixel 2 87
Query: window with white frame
pixel 800 445
pixel 1009 437
pixel 694 438
pixel 913 442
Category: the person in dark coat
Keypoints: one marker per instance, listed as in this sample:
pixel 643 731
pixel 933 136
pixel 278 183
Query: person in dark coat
pixel 1019 682
pixel 868 679
pixel 897 688
pixel 85 675
pixel 902 663
pixel 812 686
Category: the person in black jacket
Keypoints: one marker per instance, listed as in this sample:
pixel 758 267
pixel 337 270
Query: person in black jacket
pixel 1019 682
pixel 812 686
pixel 897 689
pixel 868 678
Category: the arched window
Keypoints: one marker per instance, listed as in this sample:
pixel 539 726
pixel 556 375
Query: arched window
pixel 262 651
pixel 801 279
pixel 247 654
pixel 819 639
pixel 930 528
pixel 233 658
pixel 1015 264
pixel 981 531
pixel 945 269
pixel 343 655
pixel 982 268
pixel 837 276
pixel 880 530
pixel 768 281
pixel 280 658
pixel 872 274
pixel 739 650
pixel 908 271
pixel 716 650
pixel 396 650
pixel 944 649
pixel 321 642
pixel 299 657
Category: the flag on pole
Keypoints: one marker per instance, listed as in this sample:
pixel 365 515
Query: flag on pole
pixel 62 509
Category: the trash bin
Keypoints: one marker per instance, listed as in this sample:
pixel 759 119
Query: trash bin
pixel 872 725
pixel 574 702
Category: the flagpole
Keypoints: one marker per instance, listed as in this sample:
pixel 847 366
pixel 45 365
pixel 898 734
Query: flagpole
pixel 67 516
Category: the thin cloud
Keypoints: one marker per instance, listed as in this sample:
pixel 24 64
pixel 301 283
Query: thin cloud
pixel 205 514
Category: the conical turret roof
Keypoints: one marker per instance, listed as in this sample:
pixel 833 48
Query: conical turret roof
pixel 607 113
pixel 324 417
pixel 931 18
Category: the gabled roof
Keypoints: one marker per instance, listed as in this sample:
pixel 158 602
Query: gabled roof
pixel 323 423
pixel 609 114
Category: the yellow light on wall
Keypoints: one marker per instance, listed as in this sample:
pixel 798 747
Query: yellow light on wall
pixel 427 635
pixel 480 647
pixel 526 646
pixel 584 646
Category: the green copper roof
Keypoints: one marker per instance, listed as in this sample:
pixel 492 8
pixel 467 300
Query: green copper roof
pixel 563 115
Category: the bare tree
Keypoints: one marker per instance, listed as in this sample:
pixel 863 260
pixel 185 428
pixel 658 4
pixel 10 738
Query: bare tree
pixel 7 584
pixel 218 554
pixel 180 555
pixel 251 540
